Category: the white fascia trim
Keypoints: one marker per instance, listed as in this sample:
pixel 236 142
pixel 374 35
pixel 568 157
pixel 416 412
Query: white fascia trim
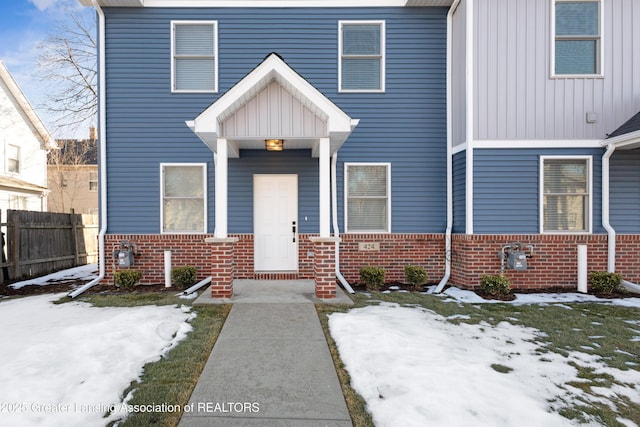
pixel 43 134
pixel 346 197
pixel 215 55
pixel 459 148
pixel 204 180
pixel 206 125
pixel 383 56
pixel 589 160
pixel 622 140
pixel 275 3
pixel 539 143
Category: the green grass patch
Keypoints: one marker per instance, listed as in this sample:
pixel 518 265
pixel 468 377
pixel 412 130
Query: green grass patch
pixel 501 368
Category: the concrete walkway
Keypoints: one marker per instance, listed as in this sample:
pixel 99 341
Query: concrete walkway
pixel 271 365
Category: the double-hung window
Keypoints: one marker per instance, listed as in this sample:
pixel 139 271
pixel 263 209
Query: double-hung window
pixel 194 53
pixel 368 197
pixel 184 188
pixel 566 194
pixel 93 181
pixel 577 40
pixel 13 158
pixel 362 56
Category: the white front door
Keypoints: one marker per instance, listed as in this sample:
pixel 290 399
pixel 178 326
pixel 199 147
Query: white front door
pixel 275 222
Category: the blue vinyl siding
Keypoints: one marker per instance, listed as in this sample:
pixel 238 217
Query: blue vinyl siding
pixel 625 191
pixel 459 192
pixel 405 126
pixel 507 189
pixel 252 162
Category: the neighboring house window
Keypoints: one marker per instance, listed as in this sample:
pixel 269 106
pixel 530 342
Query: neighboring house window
pixel 368 201
pixel 194 51
pixel 18 202
pixel 183 198
pixel 566 198
pixel 93 181
pixel 577 44
pixel 13 158
pixel 362 56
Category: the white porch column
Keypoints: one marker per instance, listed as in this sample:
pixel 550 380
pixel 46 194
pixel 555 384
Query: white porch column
pixel 324 157
pixel 221 189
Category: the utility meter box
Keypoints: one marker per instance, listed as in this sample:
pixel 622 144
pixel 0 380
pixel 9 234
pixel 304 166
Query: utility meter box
pixel 517 260
pixel 125 258
pixel 125 254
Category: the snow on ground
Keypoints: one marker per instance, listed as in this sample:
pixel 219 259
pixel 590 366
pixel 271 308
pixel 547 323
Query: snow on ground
pixel 68 364
pixel 84 272
pixel 415 368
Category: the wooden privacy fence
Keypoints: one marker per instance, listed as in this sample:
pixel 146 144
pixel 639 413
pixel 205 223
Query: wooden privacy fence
pixel 39 243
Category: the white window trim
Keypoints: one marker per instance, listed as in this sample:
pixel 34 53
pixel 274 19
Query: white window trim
pixel 383 56
pixel 346 197
pixel 7 158
pixel 215 53
pixel 205 198
pixel 589 221
pixel 600 58
pixel 94 180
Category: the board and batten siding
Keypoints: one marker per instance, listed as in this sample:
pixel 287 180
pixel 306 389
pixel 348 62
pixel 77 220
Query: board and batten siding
pixel 507 189
pixel 515 96
pixel 458 75
pixel 405 125
pixel 624 176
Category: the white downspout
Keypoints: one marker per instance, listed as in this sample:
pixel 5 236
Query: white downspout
pixel 102 143
pixel 611 247
pixel 336 229
pixel 447 242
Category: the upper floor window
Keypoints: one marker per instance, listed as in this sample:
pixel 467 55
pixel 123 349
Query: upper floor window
pixel 194 52
pixel 362 56
pixel 93 181
pixel 368 197
pixel 577 38
pixel 566 198
pixel 13 158
pixel 184 189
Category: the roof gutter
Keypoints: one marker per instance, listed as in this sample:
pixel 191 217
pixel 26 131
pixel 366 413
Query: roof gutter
pixel 102 143
pixel 447 242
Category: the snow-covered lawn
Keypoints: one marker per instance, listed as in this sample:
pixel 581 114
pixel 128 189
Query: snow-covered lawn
pixel 68 364
pixel 83 272
pixel 416 368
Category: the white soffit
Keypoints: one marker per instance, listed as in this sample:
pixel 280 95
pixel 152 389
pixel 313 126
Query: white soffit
pixel 267 3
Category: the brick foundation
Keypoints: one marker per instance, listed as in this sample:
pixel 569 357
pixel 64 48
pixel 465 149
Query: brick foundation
pixel 393 252
pixel 554 262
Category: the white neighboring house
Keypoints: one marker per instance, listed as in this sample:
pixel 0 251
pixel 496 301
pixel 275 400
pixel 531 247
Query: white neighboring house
pixel 24 142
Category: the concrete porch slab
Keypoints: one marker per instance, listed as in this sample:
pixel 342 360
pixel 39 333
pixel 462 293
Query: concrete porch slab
pixel 273 292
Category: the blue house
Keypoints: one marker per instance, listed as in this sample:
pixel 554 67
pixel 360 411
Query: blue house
pixel 306 139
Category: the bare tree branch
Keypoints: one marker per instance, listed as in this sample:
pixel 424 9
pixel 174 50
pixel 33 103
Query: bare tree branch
pixel 69 67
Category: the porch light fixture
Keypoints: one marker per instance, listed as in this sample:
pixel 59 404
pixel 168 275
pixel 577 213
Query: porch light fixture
pixel 274 144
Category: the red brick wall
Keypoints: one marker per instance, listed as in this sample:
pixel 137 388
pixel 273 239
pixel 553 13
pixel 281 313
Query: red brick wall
pixel 186 249
pixel 554 262
pixel 395 252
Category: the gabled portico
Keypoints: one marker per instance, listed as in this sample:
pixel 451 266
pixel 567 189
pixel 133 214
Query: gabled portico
pixel 272 102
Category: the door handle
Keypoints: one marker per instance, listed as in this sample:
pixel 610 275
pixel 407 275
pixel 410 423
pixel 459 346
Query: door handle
pixel 293 229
